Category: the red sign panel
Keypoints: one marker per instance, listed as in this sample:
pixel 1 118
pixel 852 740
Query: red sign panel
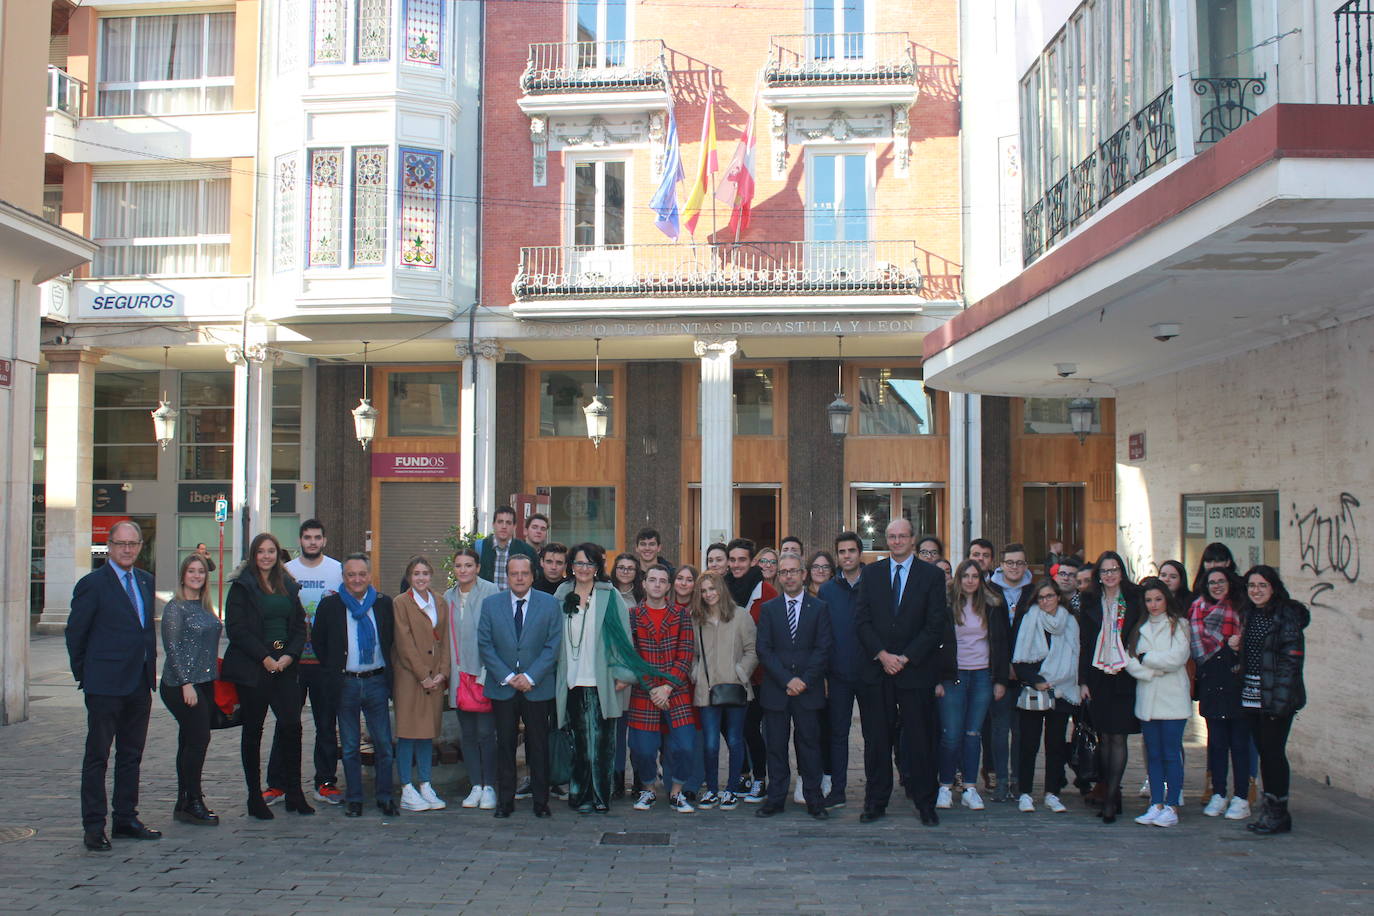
pixel 1137 446
pixel 6 373
pixel 392 464
pixel 101 525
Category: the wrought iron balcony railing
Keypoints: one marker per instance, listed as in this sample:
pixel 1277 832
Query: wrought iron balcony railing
pixel 841 58
pixel 596 66
pixel 64 92
pixel 1225 103
pixel 1136 149
pixel 719 270
pixel 1355 53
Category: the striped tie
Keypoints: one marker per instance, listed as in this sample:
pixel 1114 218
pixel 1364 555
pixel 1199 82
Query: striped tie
pixel 792 618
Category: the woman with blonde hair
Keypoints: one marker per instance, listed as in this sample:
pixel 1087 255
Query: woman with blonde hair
pixel 190 638
pixel 726 660
pixel 420 671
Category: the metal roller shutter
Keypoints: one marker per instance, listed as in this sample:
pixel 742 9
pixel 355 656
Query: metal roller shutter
pixel 416 517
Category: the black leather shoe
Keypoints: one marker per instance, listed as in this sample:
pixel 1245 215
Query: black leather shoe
pixel 818 812
pixel 298 804
pixel 258 808
pixel 834 801
pixel 353 809
pixel 542 810
pixel 96 841
pixel 194 811
pixel 929 816
pixel 389 808
pixel 870 815
pixel 502 812
pixel 768 810
pixel 135 830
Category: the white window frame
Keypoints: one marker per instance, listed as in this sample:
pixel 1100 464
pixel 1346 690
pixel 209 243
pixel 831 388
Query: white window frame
pixel 835 27
pixel 203 83
pixel 352 24
pixel 199 240
pixel 870 178
pixel 571 162
pixel 347 228
pixel 570 32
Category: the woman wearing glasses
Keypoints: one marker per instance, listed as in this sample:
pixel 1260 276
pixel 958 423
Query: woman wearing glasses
pixel 820 569
pixel 767 562
pixel 1045 656
pixel 1109 611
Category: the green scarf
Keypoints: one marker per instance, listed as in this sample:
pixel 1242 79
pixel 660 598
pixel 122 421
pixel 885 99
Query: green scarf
pixel 620 650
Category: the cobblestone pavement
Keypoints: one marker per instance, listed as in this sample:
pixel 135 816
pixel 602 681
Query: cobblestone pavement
pixel 992 862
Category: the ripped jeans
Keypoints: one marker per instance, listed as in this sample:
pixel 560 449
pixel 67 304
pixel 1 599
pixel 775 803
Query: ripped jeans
pixel 962 711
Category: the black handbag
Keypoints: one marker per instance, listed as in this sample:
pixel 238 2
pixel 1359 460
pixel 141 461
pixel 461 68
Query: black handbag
pixel 1083 749
pixel 722 694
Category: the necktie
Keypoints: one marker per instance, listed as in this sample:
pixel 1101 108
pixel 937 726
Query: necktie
pixel 519 616
pixel 133 597
pixel 792 618
pixel 896 588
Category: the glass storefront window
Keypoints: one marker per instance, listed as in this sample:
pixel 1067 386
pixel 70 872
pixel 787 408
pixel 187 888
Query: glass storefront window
pixel 123 447
pixel 877 504
pixel 40 428
pixel 422 404
pixel 1248 523
pixel 894 402
pixel 563 394
pixel 207 425
pixel 286 424
pixel 1050 416
pixel 873 509
pixel 583 514
pixel 203 529
pixel 753 402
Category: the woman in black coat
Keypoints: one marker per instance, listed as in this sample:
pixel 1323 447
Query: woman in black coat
pixel 1106 615
pixel 1272 690
pixel 265 623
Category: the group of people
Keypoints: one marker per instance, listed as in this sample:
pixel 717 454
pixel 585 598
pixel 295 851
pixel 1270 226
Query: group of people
pixel 598 662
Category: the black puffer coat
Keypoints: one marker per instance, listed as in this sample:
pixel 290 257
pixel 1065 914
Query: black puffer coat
pixel 1282 692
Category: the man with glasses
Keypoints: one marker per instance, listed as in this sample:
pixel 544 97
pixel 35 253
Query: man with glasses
pixel 1000 738
pixel 113 651
pixel 1066 578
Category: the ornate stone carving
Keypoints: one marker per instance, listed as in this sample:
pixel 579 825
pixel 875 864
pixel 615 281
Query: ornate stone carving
pixel 715 346
pixel 657 135
pixel 841 126
pixel 539 137
pixel 484 348
pixel 901 133
pixel 779 130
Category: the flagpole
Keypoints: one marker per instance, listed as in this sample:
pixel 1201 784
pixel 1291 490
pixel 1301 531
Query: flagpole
pixel 753 110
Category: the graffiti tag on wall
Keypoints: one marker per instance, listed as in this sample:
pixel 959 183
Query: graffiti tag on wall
pixel 1329 546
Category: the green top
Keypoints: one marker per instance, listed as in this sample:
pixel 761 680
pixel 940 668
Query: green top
pixel 276 618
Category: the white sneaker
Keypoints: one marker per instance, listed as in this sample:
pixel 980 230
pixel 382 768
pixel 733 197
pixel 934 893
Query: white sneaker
pixel 972 800
pixel 646 800
pixel 474 798
pixel 826 786
pixel 412 800
pixel 943 798
pixel 1168 817
pixel 488 798
pixel 1025 803
pixel 1144 788
pixel 757 793
pixel 1152 815
pixel 707 800
pixel 1238 810
pixel 1216 806
pixel 728 801
pixel 1054 804
pixel 679 803
pixel 798 795
pixel 434 801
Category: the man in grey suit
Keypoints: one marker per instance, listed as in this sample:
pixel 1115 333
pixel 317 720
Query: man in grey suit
pixel 519 636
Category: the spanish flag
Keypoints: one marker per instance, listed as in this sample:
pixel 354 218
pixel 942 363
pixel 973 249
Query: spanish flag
pixel 707 165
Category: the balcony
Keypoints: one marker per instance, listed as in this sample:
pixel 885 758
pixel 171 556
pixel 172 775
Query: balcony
pixel 65 93
pixel 585 77
pixel 1225 103
pixel 829 69
pixel 758 270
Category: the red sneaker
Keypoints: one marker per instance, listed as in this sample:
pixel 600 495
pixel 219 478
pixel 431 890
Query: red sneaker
pixel 273 796
pixel 329 794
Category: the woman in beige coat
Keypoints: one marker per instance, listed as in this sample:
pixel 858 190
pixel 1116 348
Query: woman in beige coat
pixel 420 670
pixel 725 655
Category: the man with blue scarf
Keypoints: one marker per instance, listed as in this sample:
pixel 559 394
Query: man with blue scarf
pixel 352 637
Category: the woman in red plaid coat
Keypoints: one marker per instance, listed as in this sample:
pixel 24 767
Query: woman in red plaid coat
pixel 663 637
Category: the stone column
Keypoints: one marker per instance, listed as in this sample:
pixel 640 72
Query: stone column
pixel 717 439
pixel 965 471
pixel 250 504
pixel 477 428
pixel 71 430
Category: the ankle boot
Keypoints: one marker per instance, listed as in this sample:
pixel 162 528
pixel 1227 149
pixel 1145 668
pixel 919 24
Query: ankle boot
pixel 195 812
pixel 1275 818
pixel 181 803
pixel 295 801
pixel 257 807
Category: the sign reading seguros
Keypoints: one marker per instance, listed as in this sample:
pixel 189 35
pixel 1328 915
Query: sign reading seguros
pixel 144 300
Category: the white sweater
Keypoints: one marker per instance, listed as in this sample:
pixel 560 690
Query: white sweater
pixel 1163 691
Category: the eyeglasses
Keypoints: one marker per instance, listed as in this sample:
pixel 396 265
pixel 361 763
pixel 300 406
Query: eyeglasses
pixel 1015 564
pixel 928 553
pixel 125 544
pixel 1109 571
pixel 583 564
pixel 821 567
pixel 790 571
pixel 629 569
pixel 1048 596
pixel 768 562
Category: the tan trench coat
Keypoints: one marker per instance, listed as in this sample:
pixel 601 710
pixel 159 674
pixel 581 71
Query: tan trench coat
pixel 417 655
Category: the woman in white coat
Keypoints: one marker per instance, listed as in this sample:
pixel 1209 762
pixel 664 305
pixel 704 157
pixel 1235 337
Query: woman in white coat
pixel 1158 648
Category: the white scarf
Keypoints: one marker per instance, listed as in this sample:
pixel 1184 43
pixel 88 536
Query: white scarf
pixel 1058 660
pixel 1109 655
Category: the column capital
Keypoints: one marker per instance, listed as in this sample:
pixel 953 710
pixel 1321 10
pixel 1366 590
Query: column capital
pixel 715 346
pixel 483 349
pixel 69 358
pixel 255 353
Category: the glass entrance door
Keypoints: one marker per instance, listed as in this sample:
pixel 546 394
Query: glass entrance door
pixel 1050 513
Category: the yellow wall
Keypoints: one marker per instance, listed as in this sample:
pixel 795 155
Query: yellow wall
pixel 24 26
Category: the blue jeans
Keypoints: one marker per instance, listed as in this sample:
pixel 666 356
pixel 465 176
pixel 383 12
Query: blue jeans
pixel 1004 738
pixel 696 766
pixel 839 714
pixel 962 710
pixel 644 747
pixel 368 697
pixel 1229 739
pixel 711 717
pixel 1164 759
pixel 421 751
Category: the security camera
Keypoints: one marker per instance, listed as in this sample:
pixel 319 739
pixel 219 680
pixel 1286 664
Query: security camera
pixel 61 340
pixel 1064 370
pixel 1166 330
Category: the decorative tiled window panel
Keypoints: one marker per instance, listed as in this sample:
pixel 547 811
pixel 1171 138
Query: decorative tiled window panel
pixel 419 222
pixel 285 243
pixel 369 205
pixel 288 34
pixel 330 28
pixel 424 29
pixel 374 31
pixel 326 206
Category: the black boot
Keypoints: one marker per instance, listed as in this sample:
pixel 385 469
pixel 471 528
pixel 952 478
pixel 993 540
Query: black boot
pixel 194 811
pixel 618 784
pixel 1277 819
pixel 181 804
pixel 1261 817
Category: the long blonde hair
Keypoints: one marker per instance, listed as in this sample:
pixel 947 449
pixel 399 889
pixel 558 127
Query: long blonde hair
pixel 204 596
pixel 982 599
pixel 725 605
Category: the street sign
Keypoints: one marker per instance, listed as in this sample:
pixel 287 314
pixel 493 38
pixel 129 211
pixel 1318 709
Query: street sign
pixel 221 510
pixel 6 373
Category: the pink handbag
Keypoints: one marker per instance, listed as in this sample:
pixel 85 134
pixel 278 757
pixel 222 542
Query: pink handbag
pixel 471 697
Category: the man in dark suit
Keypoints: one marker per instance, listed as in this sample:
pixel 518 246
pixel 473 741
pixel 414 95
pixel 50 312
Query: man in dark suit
pixel 793 643
pixel 496 551
pixel 113 651
pixel 519 636
pixel 352 636
pixel 901 615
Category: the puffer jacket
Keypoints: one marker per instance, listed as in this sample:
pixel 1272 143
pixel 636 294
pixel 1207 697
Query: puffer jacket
pixel 1282 692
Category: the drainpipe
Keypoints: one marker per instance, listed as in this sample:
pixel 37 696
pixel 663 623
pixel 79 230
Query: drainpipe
pixel 478 203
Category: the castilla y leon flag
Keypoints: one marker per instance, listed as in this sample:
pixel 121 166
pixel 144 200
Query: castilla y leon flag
pixel 737 189
pixel 707 166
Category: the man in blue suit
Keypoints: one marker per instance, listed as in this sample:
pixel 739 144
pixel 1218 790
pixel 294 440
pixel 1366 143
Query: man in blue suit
pixel 793 642
pixel 113 651
pixel 519 636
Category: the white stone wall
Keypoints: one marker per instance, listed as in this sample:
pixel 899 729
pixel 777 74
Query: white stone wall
pixel 1295 417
